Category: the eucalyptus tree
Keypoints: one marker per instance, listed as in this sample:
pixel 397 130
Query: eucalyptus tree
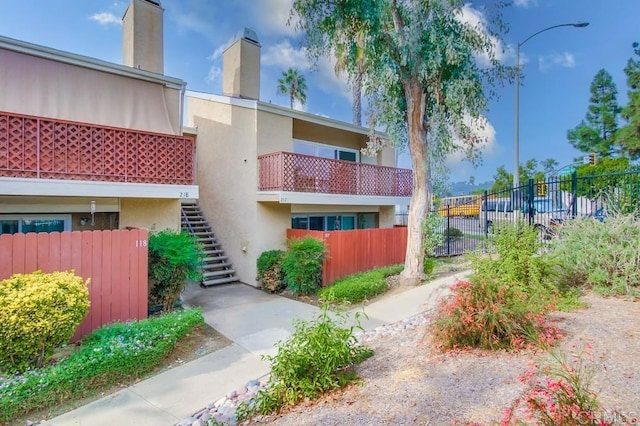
pixel 425 63
pixel 355 80
pixel 294 85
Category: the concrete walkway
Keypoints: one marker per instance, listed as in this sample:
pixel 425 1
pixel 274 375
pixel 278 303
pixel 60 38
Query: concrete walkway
pixel 254 321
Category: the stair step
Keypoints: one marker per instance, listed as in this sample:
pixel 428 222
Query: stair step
pixel 218 273
pixel 209 266
pixel 204 239
pixel 215 261
pixel 226 280
pixel 211 245
pixel 218 259
pixel 208 252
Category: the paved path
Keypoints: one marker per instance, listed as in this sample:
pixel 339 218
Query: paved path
pixel 254 321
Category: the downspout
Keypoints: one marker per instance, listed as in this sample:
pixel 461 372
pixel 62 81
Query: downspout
pixel 183 89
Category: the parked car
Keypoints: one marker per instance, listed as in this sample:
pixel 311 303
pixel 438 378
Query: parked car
pixel 545 215
pixel 599 214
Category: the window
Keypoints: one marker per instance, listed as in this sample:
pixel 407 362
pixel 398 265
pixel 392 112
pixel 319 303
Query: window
pixel 326 151
pixel 333 222
pixel 11 224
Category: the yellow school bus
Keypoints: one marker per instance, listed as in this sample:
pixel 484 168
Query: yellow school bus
pixel 463 206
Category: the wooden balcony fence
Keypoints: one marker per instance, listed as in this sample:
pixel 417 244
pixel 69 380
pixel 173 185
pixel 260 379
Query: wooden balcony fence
pixel 360 250
pixel 44 148
pixel 288 172
pixel 114 261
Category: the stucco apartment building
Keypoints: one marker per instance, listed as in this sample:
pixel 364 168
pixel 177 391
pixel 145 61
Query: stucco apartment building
pixel 263 168
pixel 87 144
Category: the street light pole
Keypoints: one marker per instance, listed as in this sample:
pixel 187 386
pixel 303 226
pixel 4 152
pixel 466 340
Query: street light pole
pixel 516 144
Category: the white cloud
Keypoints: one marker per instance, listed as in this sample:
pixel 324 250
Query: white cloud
pixel 299 106
pixel 329 82
pixel 477 20
pixel 106 18
pixel 525 3
pixel 271 16
pixel 565 60
pixel 214 74
pixel 217 54
pixel 285 56
pixel 485 132
pixel 197 22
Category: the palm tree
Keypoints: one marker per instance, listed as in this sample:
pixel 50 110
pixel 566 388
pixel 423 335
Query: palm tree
pixel 342 58
pixel 293 84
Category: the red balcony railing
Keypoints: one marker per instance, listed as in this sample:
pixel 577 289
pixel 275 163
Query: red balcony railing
pixel 44 148
pixel 284 171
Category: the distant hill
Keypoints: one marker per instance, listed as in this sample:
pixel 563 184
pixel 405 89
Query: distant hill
pixel 464 188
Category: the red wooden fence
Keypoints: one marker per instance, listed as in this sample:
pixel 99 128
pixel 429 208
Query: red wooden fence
pixel 114 261
pixel 350 252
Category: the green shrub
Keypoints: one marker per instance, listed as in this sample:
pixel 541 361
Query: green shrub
pixel 111 355
pixel 302 265
pixel 359 287
pixel 489 315
pixel 602 255
pixel 38 312
pixel 173 259
pixel 433 238
pixel 504 305
pixel 316 358
pixel 270 273
pixel 452 233
pixel 429 265
pixel 519 263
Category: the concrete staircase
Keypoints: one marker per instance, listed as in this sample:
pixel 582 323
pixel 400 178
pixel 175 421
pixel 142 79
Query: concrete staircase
pixel 216 268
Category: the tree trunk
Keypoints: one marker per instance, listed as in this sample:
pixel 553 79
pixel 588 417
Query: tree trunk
pixel 413 273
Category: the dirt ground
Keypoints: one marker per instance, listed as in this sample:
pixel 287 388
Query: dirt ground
pixel 408 381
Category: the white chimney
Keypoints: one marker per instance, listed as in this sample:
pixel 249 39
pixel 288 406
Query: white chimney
pixel 241 67
pixel 142 36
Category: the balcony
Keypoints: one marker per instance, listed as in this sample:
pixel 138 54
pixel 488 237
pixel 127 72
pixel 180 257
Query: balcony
pixel 50 149
pixel 284 172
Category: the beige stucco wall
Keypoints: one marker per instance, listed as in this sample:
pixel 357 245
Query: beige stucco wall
pixel 387 216
pixel 241 70
pixel 323 208
pixel 155 214
pixel 142 36
pixel 275 133
pixel 227 176
pixel 230 138
pixel 314 132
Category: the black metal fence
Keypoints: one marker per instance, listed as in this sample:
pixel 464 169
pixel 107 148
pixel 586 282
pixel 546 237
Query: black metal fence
pixel 544 205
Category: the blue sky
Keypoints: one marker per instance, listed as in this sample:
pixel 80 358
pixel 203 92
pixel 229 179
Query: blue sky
pixel 559 65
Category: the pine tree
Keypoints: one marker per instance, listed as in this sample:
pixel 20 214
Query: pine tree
pixel 629 136
pixel 597 133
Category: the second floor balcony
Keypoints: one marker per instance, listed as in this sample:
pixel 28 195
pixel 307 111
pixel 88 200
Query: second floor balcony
pixel 52 149
pixel 285 172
